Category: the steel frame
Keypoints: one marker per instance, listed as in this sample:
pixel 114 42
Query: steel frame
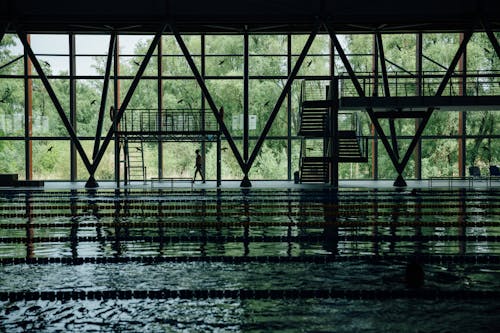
pixel 361 93
pixel 55 100
pixel 28 117
pixel 3 31
pixel 72 104
pixel 118 116
pixel 104 94
pixel 245 161
pixel 387 91
pixel 282 96
pixel 208 96
pixel 491 36
pixel 439 92
pixel 400 165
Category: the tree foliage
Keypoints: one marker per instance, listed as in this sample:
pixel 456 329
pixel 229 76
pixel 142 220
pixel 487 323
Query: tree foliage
pixel 223 70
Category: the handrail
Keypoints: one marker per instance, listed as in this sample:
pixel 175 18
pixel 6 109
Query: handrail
pixel 405 83
pixel 477 83
pixel 172 120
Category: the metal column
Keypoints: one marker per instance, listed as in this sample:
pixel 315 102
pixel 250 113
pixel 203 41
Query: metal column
pixel 289 109
pixel 374 94
pixel 28 115
pixel 203 112
pixel 334 130
pixel 72 104
pixel 245 182
pixel 160 107
pixel 419 92
pixel 116 106
pixel 462 115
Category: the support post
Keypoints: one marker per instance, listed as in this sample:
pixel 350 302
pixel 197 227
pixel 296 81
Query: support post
pixel 28 115
pixel 116 106
pixel 418 92
pixel 160 107
pixel 289 108
pixel 203 111
pixel 374 94
pixel 246 181
pixel 334 130
pixel 462 115
pixel 72 104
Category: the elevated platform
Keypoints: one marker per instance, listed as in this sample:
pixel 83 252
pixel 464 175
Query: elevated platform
pixel 415 103
pixel 174 136
pixel 421 103
pixel 179 125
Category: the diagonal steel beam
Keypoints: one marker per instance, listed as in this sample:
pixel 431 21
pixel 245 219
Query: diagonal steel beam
pixel 387 92
pixel 208 97
pixel 281 98
pixel 439 92
pixel 10 62
pixel 55 100
pixel 493 39
pixel 361 93
pixel 104 94
pixel 126 100
pixel 3 30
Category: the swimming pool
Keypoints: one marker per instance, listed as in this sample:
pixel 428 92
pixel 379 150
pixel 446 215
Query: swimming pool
pixel 254 260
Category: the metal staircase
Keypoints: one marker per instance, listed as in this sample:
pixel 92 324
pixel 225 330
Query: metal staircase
pixel 140 126
pixel 314 166
pixel 135 170
pixel 315 156
pixel 351 148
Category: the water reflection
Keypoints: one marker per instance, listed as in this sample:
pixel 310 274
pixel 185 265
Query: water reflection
pixel 250 240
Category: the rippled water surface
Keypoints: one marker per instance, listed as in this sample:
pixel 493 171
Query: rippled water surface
pixel 337 263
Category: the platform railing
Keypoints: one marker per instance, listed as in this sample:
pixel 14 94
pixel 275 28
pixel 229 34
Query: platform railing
pixel 168 121
pixel 406 84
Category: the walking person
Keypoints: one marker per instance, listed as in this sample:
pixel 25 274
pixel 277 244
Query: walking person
pixel 199 167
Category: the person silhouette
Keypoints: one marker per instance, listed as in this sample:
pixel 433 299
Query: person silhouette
pixel 198 166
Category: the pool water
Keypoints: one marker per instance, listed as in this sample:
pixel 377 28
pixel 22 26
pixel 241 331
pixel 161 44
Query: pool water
pixel 284 260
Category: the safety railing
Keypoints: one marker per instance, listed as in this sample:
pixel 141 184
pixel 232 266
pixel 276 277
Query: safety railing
pixel 315 90
pixel 406 84
pixel 168 121
pixel 349 121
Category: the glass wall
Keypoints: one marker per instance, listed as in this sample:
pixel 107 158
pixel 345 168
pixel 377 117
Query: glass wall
pixel 239 79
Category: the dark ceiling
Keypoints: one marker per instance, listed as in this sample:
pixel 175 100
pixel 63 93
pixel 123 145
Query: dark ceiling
pixel 255 16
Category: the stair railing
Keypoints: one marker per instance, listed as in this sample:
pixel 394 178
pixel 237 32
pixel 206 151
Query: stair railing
pixel 362 141
pixel 302 144
pixel 301 99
